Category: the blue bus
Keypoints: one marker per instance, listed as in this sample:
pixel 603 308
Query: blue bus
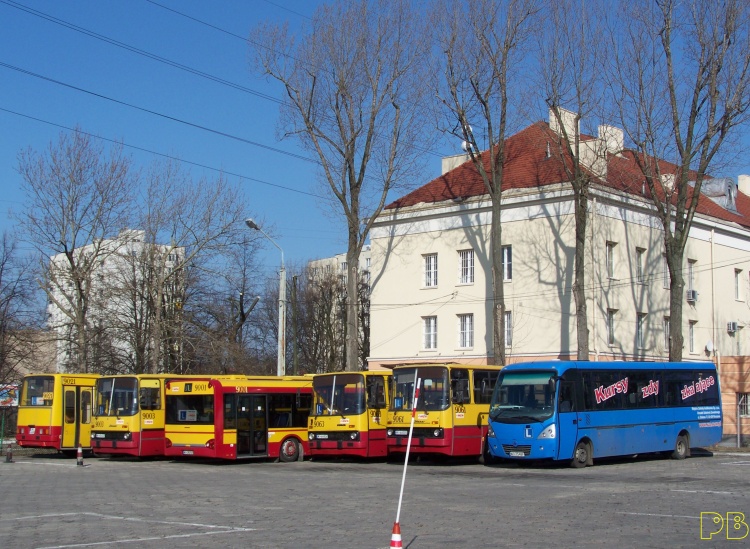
pixel 578 411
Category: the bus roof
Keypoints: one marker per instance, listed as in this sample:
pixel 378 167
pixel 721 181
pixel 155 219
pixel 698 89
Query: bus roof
pixel 561 366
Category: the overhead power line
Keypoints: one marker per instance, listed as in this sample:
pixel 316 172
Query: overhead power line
pixel 155 113
pixel 163 155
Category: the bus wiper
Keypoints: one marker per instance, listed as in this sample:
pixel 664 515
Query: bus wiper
pixel 527 418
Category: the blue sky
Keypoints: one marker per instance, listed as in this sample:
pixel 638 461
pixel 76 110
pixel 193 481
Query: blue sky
pixel 34 109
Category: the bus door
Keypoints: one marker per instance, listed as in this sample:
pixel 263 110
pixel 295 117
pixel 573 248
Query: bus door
pixel 252 425
pixel 76 429
pixel 567 418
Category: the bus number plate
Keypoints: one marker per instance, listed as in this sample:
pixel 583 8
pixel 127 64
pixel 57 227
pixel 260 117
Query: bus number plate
pixel 516 454
pixel 321 436
pixel 187 452
pixel 401 433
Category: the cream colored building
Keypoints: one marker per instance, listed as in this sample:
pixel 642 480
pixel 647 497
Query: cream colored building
pixel 431 277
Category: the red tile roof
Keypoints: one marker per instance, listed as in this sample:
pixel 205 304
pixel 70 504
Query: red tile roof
pixel 527 166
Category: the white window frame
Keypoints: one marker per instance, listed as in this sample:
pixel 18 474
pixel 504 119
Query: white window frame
pixel 507 260
pixel 610 258
pixel 508 328
pixel 745 406
pixel 738 285
pixel 691 274
pixel 691 336
pixel 640 255
pixel 665 272
pixel 429 333
pixel 466 266
pixel 466 331
pixel 430 270
pixel 665 327
pixel 611 326
pixel 640 330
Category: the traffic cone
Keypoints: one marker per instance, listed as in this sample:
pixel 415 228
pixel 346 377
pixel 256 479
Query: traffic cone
pixel 396 536
pixel 9 454
pixel 79 456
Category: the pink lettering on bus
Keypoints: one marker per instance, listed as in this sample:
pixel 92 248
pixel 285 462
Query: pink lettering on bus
pixel 651 389
pixel 603 393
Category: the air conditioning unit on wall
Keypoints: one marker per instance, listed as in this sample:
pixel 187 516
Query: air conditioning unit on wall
pixel 731 327
pixel 692 295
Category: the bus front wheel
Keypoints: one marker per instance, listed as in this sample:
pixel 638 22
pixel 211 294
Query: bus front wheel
pixel 681 448
pixel 289 450
pixel 581 456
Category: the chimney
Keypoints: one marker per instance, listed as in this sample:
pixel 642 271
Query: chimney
pixel 613 138
pixel 451 162
pixel 743 182
pixel 568 119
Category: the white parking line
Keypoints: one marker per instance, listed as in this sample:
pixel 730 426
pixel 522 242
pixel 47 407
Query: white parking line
pixel 657 515
pixel 215 529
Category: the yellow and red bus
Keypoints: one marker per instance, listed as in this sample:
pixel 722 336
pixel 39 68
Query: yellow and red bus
pixel 129 414
pixel 248 418
pixel 349 414
pixel 54 411
pixel 452 408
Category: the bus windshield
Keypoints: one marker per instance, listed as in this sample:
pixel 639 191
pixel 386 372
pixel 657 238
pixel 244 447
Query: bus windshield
pixel 339 394
pixel 522 397
pixel 434 390
pixel 37 391
pixel 117 396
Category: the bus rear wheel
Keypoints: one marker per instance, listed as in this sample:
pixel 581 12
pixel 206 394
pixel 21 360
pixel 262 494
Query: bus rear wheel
pixel 681 448
pixel 581 456
pixel 289 450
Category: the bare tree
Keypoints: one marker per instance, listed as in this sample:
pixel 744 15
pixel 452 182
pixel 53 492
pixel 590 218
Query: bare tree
pixel 77 197
pixel 16 289
pixel 681 83
pixel 570 63
pixel 481 43
pixel 186 231
pixel 354 86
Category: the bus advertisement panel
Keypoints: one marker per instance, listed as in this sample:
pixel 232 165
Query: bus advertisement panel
pixel 349 414
pixel 578 411
pixel 255 417
pixel 452 409
pixel 54 411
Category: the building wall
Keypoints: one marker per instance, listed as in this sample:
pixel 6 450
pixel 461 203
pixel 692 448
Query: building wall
pixel 540 228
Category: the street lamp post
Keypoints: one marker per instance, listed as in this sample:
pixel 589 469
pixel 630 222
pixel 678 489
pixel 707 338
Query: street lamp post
pixel 281 361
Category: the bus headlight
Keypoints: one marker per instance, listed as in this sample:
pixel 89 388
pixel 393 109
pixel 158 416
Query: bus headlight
pixel 437 433
pixel 490 432
pixel 354 435
pixel 310 436
pixel 549 433
pixel 126 436
pixel 389 432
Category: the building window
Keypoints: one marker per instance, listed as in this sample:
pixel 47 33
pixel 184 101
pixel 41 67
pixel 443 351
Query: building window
pixel 640 330
pixel 610 257
pixel 665 272
pixel 430 270
pixel 466 331
pixel 737 284
pixel 466 267
pixel 611 326
pixel 430 332
pixel 508 328
pixel 344 272
pixel 665 325
pixel 640 256
pixel 737 341
pixel 691 274
pixel 507 262
pixel 691 336
pixel 743 402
